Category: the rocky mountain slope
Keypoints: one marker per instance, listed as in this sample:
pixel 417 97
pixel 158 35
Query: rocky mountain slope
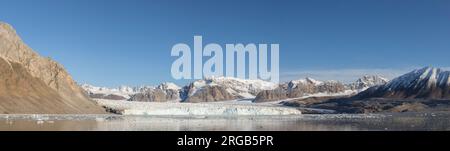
pixel 206 90
pixel 366 82
pixel 163 92
pixel 30 83
pixel 309 86
pixel 425 89
pixel 224 88
pixel 229 88
pixel 425 83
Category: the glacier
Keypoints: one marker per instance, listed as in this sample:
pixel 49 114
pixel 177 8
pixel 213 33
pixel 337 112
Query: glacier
pixel 228 108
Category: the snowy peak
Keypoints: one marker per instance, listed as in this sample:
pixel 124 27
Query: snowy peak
pixel 428 76
pixel 232 87
pixel 251 86
pixel 121 93
pixel 168 86
pixel 425 83
pixel 162 93
pixel 150 93
pixel 368 81
pixel 311 87
pixel 313 81
pixel 126 89
pixel 129 90
pixel 94 89
pixel 372 80
pixel 307 80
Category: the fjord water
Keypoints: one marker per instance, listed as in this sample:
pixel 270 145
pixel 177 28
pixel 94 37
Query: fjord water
pixel 326 122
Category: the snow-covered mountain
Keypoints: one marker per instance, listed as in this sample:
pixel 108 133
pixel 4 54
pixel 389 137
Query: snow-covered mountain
pixel 307 86
pixel 230 88
pixel 127 92
pixel 427 83
pixel 168 86
pixel 162 93
pixel 368 81
pixel 209 89
pixel 224 88
pixel 121 93
pixel 299 88
pixel 311 87
pixel 307 80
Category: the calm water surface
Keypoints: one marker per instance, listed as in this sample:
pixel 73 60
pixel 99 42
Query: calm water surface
pixel 329 122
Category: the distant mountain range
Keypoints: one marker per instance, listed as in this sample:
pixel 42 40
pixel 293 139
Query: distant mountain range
pixel 311 87
pixel 425 89
pixel 207 90
pixel 229 88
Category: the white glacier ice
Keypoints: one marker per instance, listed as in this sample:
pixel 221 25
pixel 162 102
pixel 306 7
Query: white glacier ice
pixel 196 109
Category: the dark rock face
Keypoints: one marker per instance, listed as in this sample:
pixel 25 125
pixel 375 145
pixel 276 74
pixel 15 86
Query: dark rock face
pixel 186 91
pixel 210 94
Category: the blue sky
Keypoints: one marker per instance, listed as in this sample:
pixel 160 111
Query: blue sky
pixel 128 42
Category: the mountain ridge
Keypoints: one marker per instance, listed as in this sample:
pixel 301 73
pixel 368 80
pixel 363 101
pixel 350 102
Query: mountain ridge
pixel 425 83
pixel 230 88
pixel 309 86
pixel 29 65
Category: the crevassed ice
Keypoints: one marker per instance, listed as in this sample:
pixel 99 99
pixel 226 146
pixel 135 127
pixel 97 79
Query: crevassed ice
pixel 216 109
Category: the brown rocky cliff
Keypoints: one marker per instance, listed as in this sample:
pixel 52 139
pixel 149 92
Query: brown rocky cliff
pixel 36 69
